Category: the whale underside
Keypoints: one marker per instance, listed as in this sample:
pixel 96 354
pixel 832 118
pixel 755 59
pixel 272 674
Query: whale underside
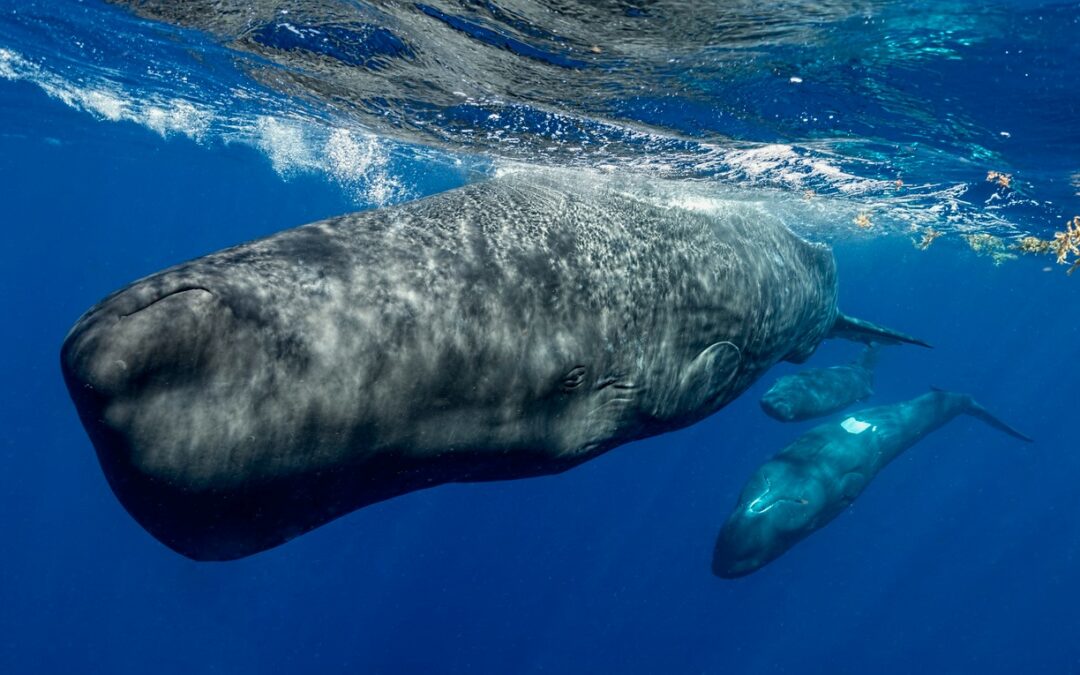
pixel 511 328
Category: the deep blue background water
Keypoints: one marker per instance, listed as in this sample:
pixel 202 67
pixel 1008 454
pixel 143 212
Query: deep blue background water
pixel 960 558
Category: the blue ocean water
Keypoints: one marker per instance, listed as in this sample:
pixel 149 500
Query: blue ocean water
pixel 132 142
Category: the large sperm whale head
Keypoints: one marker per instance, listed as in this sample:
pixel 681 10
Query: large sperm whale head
pixel 778 506
pixel 178 379
pixel 154 334
pixel 143 360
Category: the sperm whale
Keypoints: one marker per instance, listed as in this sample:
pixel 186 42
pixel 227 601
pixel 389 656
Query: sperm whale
pixel 813 480
pixel 510 328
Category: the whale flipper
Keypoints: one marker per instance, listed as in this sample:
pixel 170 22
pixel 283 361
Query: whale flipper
pixel 850 328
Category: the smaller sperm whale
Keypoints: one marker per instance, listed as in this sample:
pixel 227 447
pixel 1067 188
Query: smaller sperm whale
pixel 811 481
pixel 816 392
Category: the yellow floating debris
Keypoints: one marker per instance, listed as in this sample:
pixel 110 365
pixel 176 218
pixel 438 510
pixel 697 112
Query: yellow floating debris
pixel 1002 179
pixel 989 245
pixel 863 221
pixel 1067 242
pixel 928 237
pixel 1063 245
pixel 1031 244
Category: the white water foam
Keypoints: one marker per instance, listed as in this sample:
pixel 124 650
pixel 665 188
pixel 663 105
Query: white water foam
pixel 358 162
pixel 111 102
pixel 783 165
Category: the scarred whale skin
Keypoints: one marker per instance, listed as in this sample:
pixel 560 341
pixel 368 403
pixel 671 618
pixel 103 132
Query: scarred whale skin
pixel 510 328
pixel 813 480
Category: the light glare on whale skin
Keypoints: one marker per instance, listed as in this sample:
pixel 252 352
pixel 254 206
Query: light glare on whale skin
pixel 512 328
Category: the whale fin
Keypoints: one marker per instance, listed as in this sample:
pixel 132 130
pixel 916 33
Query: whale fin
pixel 976 410
pixel 850 328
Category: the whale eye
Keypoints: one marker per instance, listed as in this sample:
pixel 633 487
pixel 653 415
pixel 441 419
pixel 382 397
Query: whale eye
pixel 574 378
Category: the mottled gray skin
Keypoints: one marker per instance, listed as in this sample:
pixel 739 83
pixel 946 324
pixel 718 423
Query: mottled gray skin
pixel 816 392
pixel 817 477
pixel 512 328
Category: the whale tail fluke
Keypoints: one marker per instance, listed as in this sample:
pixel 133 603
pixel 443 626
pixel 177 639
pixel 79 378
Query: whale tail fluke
pixel 976 410
pixel 850 328
pixel 973 408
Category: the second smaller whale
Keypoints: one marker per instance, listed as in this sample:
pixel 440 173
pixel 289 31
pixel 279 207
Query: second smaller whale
pixel 811 481
pixel 816 392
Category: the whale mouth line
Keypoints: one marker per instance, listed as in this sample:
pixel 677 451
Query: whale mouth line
pixel 758 507
pixel 178 291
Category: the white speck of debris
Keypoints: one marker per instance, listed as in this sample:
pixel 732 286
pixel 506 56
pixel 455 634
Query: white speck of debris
pixel 795 79
pixel 1006 134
